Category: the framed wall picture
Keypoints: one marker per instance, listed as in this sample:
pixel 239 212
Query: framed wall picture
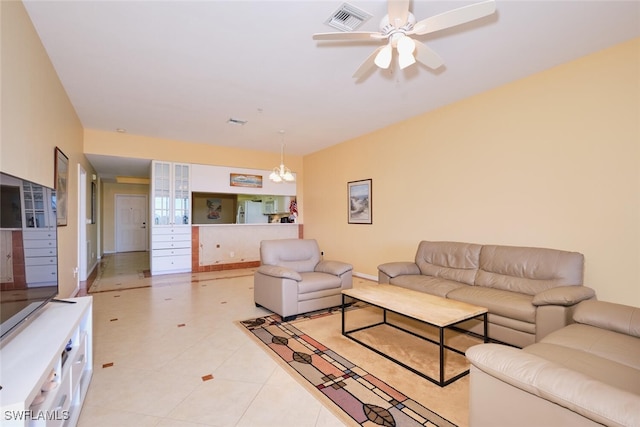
pixel 359 202
pixel 61 181
pixel 245 180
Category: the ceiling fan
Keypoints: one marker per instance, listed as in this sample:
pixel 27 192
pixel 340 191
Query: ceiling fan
pixel 397 27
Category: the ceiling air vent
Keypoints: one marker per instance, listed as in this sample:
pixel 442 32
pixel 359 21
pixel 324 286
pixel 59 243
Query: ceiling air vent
pixel 347 18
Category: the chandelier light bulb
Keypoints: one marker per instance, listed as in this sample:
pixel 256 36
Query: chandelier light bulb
pixel 281 173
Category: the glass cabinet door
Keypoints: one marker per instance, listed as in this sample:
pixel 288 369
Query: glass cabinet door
pixel 34 207
pixel 181 194
pixel 161 193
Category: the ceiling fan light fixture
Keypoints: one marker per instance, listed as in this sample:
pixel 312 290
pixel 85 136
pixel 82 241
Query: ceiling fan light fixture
pixel 398 24
pixel 406 46
pixel 383 58
pixel 404 60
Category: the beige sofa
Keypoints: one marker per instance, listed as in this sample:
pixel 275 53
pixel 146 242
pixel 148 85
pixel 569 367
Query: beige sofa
pixel 530 292
pixel 585 374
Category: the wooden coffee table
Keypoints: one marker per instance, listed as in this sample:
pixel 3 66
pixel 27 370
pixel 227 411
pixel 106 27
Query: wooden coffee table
pixel 439 312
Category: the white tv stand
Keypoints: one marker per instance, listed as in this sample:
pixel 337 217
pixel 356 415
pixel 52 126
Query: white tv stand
pixel 38 358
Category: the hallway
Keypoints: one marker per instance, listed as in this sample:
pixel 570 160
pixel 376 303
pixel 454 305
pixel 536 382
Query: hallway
pixel 122 270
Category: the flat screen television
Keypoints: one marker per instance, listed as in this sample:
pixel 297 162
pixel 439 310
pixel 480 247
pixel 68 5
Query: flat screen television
pixel 28 251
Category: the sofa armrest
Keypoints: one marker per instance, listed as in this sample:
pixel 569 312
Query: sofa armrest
pixel 570 389
pixel 563 295
pixel 611 316
pixel 393 269
pixel 277 271
pixel 336 268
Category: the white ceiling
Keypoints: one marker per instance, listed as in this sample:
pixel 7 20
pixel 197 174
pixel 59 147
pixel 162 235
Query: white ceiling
pixel 181 69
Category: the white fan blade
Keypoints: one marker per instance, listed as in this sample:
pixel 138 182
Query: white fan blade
pixel 398 11
pixel 427 56
pixel 354 35
pixel 454 17
pixel 368 63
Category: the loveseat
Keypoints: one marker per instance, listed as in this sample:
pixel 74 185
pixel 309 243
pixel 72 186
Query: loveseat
pixel 529 292
pixel 585 374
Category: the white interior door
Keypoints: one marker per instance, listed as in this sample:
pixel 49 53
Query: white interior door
pixel 131 223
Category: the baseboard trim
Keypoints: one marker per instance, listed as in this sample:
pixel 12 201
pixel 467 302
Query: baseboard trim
pixel 228 266
pixel 366 276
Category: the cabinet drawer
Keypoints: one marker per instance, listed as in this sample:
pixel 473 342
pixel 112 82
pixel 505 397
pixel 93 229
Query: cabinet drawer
pixel 171 252
pixel 41 273
pixel 28 244
pixel 38 252
pixel 31 261
pixel 38 235
pixel 171 238
pixel 171 245
pixel 175 263
pixel 157 231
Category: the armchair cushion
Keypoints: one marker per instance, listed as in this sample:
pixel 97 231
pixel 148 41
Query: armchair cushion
pixel 315 282
pixel 277 271
pixel 336 268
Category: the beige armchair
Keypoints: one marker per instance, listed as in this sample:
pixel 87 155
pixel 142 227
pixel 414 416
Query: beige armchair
pixel 293 279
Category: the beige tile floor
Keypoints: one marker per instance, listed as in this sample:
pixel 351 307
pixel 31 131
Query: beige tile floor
pixel 154 345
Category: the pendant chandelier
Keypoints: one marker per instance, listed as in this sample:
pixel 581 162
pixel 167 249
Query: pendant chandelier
pixel 282 173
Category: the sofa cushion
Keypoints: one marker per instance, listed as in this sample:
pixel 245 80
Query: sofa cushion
pixel 504 303
pixel 314 282
pixel 614 317
pixel 449 260
pixel 620 348
pixel 528 270
pixel 428 284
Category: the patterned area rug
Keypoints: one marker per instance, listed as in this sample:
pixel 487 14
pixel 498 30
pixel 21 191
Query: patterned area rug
pixel 357 396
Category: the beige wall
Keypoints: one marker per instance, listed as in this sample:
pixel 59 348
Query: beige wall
pixel 552 160
pixel 36 117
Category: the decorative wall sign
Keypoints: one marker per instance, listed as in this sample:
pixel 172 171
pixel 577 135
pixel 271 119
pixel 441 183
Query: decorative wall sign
pixel 359 202
pixel 61 181
pixel 245 180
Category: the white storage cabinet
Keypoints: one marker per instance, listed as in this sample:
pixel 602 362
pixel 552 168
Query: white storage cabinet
pixel 40 257
pixel 171 218
pixel 53 352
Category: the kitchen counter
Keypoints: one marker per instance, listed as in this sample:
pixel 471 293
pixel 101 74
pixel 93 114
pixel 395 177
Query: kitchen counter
pixel 227 246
